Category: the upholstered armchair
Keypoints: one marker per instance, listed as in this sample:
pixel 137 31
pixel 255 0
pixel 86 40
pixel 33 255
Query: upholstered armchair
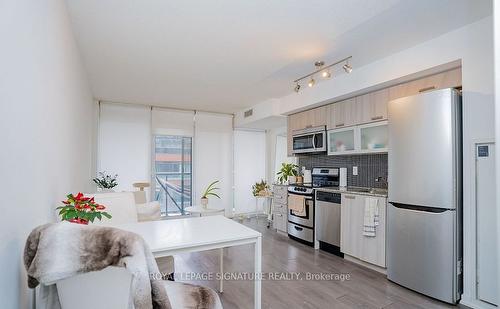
pixel 124 209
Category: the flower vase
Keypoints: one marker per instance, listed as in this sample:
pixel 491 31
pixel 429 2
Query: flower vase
pixel 79 221
pixel 204 202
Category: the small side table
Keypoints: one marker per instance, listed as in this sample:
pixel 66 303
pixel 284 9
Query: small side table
pixel 203 212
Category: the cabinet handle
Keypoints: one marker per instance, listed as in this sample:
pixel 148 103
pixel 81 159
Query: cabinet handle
pixel 339 125
pixel 279 215
pixel 427 89
pixel 377 117
pixel 351 197
pixel 298 228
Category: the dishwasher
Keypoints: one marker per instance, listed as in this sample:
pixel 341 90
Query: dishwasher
pixel 328 221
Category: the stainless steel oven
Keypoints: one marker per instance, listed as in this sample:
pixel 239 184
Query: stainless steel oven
pixel 306 220
pixel 301 227
pixel 309 140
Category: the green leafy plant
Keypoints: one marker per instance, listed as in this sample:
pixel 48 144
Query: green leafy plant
pixel 260 188
pixel 106 181
pixel 210 190
pixel 81 209
pixel 287 170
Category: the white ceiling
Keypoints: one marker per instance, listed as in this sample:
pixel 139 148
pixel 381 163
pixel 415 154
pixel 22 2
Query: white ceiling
pixel 226 55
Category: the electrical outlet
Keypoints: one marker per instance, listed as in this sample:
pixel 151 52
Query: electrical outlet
pixel 355 171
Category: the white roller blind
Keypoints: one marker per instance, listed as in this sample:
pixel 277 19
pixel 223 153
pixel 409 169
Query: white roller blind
pixel 172 122
pixel 125 143
pixel 249 168
pixel 213 157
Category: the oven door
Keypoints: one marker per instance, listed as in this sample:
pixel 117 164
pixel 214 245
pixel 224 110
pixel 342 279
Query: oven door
pixel 308 219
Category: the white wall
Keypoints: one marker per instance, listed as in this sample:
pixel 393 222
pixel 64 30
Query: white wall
pixel 249 168
pixel 496 16
pixel 46 127
pixel 473 46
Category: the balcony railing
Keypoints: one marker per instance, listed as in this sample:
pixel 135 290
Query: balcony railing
pixel 173 191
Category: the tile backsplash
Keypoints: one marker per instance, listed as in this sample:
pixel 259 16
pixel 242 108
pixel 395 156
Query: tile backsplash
pixel 370 166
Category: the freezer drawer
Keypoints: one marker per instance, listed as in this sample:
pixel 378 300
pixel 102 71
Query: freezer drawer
pixel 422 251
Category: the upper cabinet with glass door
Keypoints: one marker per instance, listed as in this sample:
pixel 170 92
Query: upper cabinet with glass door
pixel 373 137
pixel 342 141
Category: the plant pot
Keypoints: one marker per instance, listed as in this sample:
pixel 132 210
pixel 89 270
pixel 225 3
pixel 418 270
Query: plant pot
pixel 299 179
pixel 79 221
pixel 106 190
pixel 204 202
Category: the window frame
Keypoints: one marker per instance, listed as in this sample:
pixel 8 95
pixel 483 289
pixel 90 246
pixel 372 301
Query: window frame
pixel 182 173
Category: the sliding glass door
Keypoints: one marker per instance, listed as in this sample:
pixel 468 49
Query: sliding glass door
pixel 172 173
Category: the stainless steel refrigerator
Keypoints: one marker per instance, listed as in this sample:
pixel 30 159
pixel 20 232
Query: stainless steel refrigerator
pixel 424 246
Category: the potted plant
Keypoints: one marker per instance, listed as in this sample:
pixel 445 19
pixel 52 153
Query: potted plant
pixel 260 188
pixel 81 209
pixel 106 182
pixel 210 190
pixel 287 171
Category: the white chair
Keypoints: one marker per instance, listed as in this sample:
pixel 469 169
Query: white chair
pixel 123 209
pixel 111 288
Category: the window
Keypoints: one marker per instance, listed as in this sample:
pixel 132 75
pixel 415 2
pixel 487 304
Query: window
pixel 172 173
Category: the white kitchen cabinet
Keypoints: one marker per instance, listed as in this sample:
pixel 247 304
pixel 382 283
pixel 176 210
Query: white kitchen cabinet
pixel 373 137
pixel 367 138
pixel 342 141
pixel 352 240
pixel 373 106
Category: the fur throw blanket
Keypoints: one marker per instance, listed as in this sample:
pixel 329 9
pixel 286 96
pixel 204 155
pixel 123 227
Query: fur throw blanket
pixel 61 250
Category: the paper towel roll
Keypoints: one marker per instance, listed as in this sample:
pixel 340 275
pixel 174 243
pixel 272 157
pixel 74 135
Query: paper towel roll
pixel 343 177
pixel 307 176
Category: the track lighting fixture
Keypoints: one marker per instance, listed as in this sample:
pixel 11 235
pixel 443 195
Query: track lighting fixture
pixel 347 67
pixel 324 72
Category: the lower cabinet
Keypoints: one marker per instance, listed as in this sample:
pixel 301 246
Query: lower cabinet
pixel 352 241
pixel 280 208
pixel 280 222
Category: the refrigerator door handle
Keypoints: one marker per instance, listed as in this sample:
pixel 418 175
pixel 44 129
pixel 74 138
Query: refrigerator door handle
pixel 418 208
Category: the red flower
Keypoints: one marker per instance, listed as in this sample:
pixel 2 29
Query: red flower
pixel 99 207
pixel 79 196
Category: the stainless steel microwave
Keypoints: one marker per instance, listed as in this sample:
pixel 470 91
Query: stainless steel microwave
pixel 309 140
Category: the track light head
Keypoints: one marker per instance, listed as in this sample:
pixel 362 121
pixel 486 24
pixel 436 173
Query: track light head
pixel 311 82
pixel 326 74
pixel 347 67
pixel 297 87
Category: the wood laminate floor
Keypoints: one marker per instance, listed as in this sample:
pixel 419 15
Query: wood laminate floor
pixel 281 255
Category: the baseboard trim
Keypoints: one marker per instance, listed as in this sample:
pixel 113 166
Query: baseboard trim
pixel 476 304
pixel 365 264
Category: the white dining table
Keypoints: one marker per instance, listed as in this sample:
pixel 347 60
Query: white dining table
pixel 176 236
